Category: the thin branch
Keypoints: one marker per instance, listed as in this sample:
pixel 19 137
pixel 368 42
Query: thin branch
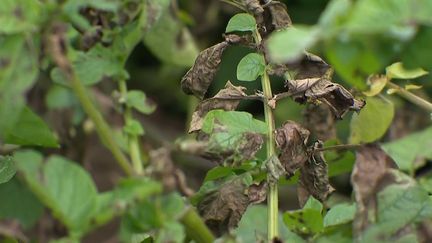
pixel 339 147
pixel 411 97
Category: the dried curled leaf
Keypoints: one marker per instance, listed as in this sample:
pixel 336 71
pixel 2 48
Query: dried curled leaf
pixel 274 168
pixel 309 66
pixel 275 17
pixel 320 122
pixel 314 178
pixel 334 95
pixel 226 99
pixel 253 6
pixel 199 77
pixel 291 139
pixel 222 209
pixel 370 167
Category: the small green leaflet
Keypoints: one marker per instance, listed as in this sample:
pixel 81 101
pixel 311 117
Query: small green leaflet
pixel 138 100
pixel 396 70
pixel 7 169
pixel 234 121
pixel 340 214
pixel 251 67
pixel 241 22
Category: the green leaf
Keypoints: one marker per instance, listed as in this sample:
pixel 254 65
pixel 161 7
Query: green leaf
pixel 406 150
pixel 59 97
pixel 138 100
pixel 334 13
pixel 218 172
pixel 305 221
pixel 7 169
pixel 61 185
pixel 241 22
pixel 340 214
pixel 340 234
pixel 236 122
pixel 291 43
pixel 19 203
pixel 133 127
pixel 30 129
pixel 372 122
pixel 19 16
pixel 253 226
pixel 250 67
pixel 312 203
pixel 397 70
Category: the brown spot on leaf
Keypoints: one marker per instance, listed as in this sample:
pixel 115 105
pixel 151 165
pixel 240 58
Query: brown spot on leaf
pixel 199 77
pixel 322 89
pixel 227 99
pixel 320 121
pixel 370 167
pixel 222 209
pixel 291 139
pixel 314 178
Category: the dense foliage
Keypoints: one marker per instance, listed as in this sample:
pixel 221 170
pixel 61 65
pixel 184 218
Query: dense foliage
pixel 93 144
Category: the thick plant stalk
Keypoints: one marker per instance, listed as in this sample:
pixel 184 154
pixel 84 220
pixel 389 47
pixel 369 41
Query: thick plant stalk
pixel 195 227
pixel 272 196
pixel 133 140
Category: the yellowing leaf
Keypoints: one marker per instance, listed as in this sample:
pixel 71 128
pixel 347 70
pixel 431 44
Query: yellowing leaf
pixel 397 71
pixel 412 86
pixel 377 84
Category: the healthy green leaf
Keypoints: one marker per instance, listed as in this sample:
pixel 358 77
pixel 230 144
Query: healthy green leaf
pixel 19 16
pixel 397 70
pixel 63 186
pixel 133 127
pixel 138 100
pixel 372 122
pixel 334 13
pixel 236 122
pixel 291 43
pixel 30 129
pixel 59 97
pixel 241 22
pixel 19 203
pixel 340 214
pixel 7 169
pixel 406 150
pixel 253 226
pixel 218 172
pixel 312 203
pixel 250 67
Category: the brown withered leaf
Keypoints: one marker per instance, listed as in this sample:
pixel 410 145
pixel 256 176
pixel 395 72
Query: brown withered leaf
pixel 291 139
pixel 253 6
pixel 370 167
pixel 199 77
pixel 319 120
pixel 225 99
pixel 322 89
pixel 274 168
pixel 257 193
pixel 275 17
pixel 314 178
pixel 222 209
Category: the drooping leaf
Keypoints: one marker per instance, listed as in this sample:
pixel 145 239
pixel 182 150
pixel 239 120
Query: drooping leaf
pixel 30 129
pixel 373 121
pixel 406 150
pixel 314 178
pixel 319 120
pixel 7 169
pixel 197 80
pixel 62 186
pixel 138 100
pixel 289 44
pixel 291 139
pixel 226 99
pixel 241 22
pixel 20 204
pixel 334 95
pixel 250 67
pixel 396 70
pixel 340 214
pixel 370 167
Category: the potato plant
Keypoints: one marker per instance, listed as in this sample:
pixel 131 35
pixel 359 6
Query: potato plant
pixel 80 160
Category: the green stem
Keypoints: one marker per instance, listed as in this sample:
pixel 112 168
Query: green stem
pixel 195 227
pixel 411 97
pixel 133 140
pixel 272 196
pixel 102 127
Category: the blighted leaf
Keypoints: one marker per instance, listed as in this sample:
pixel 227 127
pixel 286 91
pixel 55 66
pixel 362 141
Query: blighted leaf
pixel 377 84
pixel 241 22
pixel 291 139
pixel 397 71
pixel 226 99
pixel 197 80
pixel 274 168
pixel 222 209
pixel 308 220
pixel 370 166
pixel 251 67
pixel 314 178
pixel 334 95
pixel 138 100
pixel 319 120
pixel 7 169
pixel 373 121
pixel 275 17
